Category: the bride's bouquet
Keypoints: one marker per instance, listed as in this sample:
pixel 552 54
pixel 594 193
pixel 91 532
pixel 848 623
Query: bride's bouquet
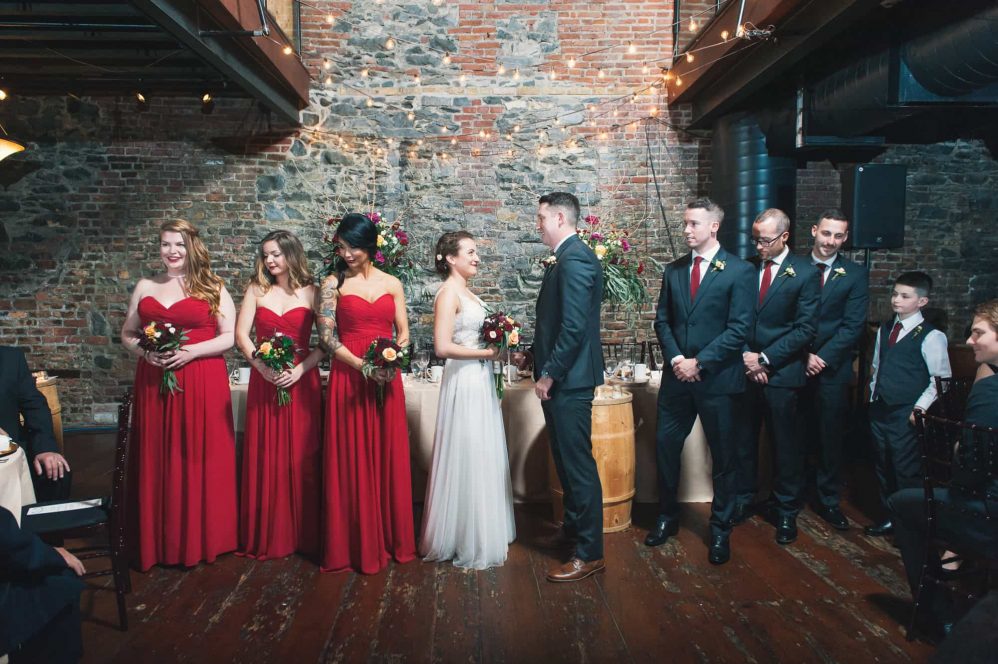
pixel 278 353
pixel 158 338
pixel 502 331
pixel 384 354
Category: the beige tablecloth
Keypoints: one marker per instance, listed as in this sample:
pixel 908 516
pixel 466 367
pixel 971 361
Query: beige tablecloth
pixel 15 483
pixel 526 441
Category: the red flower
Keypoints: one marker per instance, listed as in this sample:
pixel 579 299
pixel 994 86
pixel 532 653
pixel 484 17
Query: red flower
pixel 641 268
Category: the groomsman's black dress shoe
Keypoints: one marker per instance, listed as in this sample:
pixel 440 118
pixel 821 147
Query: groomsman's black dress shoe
pixel 720 550
pixel 576 569
pixel 786 529
pixel 663 530
pixel 834 516
pixel 741 515
pixel 880 529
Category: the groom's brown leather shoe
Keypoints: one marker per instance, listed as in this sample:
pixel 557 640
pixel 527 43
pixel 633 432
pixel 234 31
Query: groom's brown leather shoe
pixel 576 569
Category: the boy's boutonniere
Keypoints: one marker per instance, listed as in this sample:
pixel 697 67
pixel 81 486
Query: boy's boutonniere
pixel 789 271
pixel 918 330
pixel 549 261
pixel 838 272
pixel 717 266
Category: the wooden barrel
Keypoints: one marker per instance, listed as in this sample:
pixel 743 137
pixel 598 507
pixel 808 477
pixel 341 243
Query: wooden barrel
pixel 613 449
pixel 48 386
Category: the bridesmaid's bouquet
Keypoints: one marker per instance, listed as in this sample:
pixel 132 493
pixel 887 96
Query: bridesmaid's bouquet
pixel 501 330
pixel 384 354
pixel 278 353
pixel 159 337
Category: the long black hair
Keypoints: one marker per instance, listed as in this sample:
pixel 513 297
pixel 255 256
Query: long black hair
pixel 360 233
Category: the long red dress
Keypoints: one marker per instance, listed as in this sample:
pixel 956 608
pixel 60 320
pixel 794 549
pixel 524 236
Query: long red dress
pixel 367 492
pixel 279 503
pixel 182 475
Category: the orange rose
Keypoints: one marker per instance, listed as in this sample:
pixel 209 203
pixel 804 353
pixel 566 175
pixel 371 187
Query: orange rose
pixel 389 354
pixel 514 338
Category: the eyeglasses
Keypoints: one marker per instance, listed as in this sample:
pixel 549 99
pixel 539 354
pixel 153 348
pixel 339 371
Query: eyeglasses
pixel 763 242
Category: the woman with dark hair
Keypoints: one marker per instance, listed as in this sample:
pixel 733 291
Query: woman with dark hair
pixel 182 462
pixel 279 506
pixel 367 492
pixel 469 499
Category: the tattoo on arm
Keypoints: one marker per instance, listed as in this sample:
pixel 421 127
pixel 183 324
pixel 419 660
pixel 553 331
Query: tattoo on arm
pixel 328 339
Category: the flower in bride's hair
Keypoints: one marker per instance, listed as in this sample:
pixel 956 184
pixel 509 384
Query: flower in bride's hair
pixel 439 257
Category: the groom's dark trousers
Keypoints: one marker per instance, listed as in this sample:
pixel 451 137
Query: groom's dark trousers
pixel 712 327
pixel 567 349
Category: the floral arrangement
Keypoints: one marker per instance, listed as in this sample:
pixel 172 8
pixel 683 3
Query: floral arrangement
pixel 392 252
pixel 622 269
pixel 384 354
pixel 158 338
pixel 501 330
pixel 278 353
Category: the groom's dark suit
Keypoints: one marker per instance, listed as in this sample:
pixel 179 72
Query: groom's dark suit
pixel 711 328
pixel 567 348
pixel 825 399
pixel 785 325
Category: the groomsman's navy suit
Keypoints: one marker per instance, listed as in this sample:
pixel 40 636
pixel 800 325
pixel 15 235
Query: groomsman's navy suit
pixel 785 326
pixel 19 397
pixel 711 328
pixel 567 348
pixel 825 400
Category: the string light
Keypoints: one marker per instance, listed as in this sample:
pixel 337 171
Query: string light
pixel 600 74
pixel 329 80
pixel 693 25
pixel 516 74
pixel 653 110
pixel 502 69
pixel 327 64
pixel 690 57
pixel 463 79
pixel 725 34
pixel 417 80
pixel 411 116
pixel 740 32
pixel 554 75
pixel 516 128
pixel 453 141
pixel 571 63
pixel 288 50
pixel 330 19
pixel 447 59
pixel 3 95
pixel 679 81
pixel 370 102
pixel 364 72
pixel 419 142
pixel 389 43
pixel 645 69
pixel 631 48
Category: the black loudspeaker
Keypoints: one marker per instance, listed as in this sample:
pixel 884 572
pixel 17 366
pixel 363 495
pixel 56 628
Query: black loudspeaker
pixel 873 199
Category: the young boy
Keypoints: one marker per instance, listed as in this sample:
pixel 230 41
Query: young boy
pixel 908 356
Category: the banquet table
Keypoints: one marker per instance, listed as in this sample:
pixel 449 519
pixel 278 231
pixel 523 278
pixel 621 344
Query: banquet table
pixel 526 441
pixel 15 483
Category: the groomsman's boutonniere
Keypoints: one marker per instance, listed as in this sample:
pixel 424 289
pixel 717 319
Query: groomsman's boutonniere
pixel 789 271
pixel 918 330
pixel 838 272
pixel 717 266
pixel 549 261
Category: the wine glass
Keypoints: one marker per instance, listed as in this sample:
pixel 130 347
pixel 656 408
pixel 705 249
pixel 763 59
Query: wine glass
pixel 421 361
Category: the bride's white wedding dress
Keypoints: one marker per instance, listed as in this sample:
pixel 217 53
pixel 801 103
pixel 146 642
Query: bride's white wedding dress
pixel 468 514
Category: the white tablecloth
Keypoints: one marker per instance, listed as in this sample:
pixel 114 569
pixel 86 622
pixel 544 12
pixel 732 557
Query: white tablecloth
pixel 15 483
pixel 526 441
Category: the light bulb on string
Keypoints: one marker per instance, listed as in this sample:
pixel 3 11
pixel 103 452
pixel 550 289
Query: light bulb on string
pixel 725 34
pixel 390 43
pixel 557 121
pixel 369 102
pixel 364 72
pixel 327 64
pixel 645 70
pixel 693 25
pixel 329 80
pixel 667 75
pixel 481 133
pixel 453 141
pixel 3 95
pixel 447 59
pixel 653 110
pixel 679 81
pixel 554 75
pixel 330 19
pixel 411 116
pixel 463 79
pixel 417 80
pixel 600 73
pixel 571 63
pixel 288 50
pixel 616 112
pixel 502 69
pixel 631 48
pixel 603 136
pixel 516 128
pixel 443 130
pixel 516 74
pixel 690 57
pixel 419 142
pixel 740 32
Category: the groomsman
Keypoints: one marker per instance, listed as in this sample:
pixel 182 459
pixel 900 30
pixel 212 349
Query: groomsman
pixel 825 399
pixel 786 321
pixel 705 311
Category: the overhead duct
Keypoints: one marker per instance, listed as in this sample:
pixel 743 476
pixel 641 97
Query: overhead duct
pixel 745 180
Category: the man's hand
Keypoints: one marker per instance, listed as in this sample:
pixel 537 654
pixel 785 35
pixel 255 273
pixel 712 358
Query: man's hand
pixel 686 370
pixel 72 562
pixel 815 365
pixel 53 463
pixel 911 418
pixel 543 388
pixel 751 362
pixel 762 378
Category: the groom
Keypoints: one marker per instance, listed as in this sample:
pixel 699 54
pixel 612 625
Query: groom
pixel 568 365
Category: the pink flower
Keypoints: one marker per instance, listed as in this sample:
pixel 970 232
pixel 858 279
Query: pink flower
pixel 597 236
pixel 402 237
pixel 592 220
pixel 624 244
pixel 374 216
pixel 379 258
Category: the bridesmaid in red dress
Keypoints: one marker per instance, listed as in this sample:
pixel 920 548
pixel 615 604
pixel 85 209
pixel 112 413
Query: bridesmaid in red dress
pixel 279 502
pixel 367 493
pixel 182 460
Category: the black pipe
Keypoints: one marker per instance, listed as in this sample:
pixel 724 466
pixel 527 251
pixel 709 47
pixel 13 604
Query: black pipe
pixel 957 58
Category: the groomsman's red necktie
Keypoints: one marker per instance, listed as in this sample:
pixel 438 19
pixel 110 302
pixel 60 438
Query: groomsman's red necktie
pixel 695 277
pixel 767 279
pixel 821 268
pixel 895 331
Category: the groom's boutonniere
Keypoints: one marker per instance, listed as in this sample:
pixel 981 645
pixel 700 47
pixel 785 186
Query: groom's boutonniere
pixel 789 271
pixel 838 272
pixel 549 261
pixel 717 266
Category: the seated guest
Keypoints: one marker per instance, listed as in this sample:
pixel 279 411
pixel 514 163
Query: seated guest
pixel 963 520
pixel 909 354
pixel 19 397
pixel 39 598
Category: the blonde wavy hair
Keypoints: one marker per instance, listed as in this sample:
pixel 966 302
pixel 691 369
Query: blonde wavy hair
pixel 299 274
pixel 201 283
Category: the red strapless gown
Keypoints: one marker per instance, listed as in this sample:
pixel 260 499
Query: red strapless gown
pixel 279 505
pixel 367 492
pixel 182 461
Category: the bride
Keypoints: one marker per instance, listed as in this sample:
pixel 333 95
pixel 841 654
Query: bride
pixel 469 501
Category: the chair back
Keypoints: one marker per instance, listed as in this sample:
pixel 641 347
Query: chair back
pixel 960 456
pixel 655 358
pixel 951 397
pixel 118 519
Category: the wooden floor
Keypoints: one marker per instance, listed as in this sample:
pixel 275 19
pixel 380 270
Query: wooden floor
pixel 829 597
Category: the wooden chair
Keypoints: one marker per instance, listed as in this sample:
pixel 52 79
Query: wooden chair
pixel 107 513
pixel 976 473
pixel 951 397
pixel 656 361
